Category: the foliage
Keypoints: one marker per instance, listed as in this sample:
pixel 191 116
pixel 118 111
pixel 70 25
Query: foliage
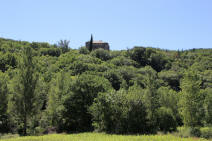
pixel 83 91
pixel 171 78
pixel 59 89
pixel 23 102
pixel 123 61
pixel 184 132
pixel 206 132
pixel 166 120
pixel 101 54
pixel 191 100
pixel 4 121
pixel 91 43
pixel 64 45
pixel 46 88
pixel 150 97
pixel 119 112
pixel 114 78
pixel 7 60
pixel 208 106
pixel 168 99
pixel 50 51
pixel 139 55
pixel 159 62
pixel 83 50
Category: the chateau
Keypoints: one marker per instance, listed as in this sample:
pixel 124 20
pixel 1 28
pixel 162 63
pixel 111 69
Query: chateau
pixel 97 45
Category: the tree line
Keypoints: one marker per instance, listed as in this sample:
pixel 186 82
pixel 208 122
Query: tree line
pixel 140 90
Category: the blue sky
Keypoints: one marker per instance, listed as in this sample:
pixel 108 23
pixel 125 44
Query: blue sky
pixel 167 24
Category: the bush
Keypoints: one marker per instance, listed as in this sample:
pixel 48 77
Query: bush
pixel 184 132
pixel 114 78
pixel 8 136
pixel 166 120
pixel 119 112
pixel 123 61
pixel 206 132
pixel 50 51
pixel 102 54
pixel 37 131
pixel 83 50
pixel 195 131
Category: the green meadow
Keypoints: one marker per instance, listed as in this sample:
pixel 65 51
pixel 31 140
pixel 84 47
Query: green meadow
pixel 101 137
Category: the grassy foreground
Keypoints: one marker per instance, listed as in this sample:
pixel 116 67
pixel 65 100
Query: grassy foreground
pixel 101 137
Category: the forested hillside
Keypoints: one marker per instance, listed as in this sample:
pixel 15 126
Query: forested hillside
pixel 140 90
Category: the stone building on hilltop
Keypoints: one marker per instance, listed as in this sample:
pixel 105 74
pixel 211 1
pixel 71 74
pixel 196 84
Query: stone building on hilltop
pixel 97 44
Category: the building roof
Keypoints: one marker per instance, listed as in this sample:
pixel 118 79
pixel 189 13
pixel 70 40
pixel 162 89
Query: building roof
pixel 98 42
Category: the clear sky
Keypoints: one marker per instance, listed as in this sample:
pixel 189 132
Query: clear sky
pixel 167 24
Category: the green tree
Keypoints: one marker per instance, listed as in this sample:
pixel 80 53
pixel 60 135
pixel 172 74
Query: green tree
pixel 4 122
pixel 59 89
pixel 91 44
pixel 7 60
pixel 123 61
pixel 102 54
pixel 83 50
pixel 114 77
pixel 64 45
pixel 127 74
pixel 166 120
pixel 208 106
pixel 50 51
pixel 191 100
pixel 150 97
pixel 171 78
pixel 138 54
pixel 119 112
pixel 82 93
pixel 23 103
pixel 158 62
pixel 169 99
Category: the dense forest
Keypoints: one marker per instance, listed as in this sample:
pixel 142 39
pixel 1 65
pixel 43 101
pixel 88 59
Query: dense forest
pixel 143 90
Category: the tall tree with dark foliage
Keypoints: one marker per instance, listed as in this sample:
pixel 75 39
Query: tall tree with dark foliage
pixel 91 43
pixel 23 102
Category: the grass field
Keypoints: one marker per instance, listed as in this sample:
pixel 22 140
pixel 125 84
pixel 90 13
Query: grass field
pixel 101 137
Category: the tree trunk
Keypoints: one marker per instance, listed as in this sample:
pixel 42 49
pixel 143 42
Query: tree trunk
pixel 25 125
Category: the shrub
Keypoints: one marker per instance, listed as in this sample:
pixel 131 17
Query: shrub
pixel 166 120
pixel 206 132
pixel 195 131
pixel 102 54
pixel 50 51
pixel 83 50
pixel 119 112
pixel 184 132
